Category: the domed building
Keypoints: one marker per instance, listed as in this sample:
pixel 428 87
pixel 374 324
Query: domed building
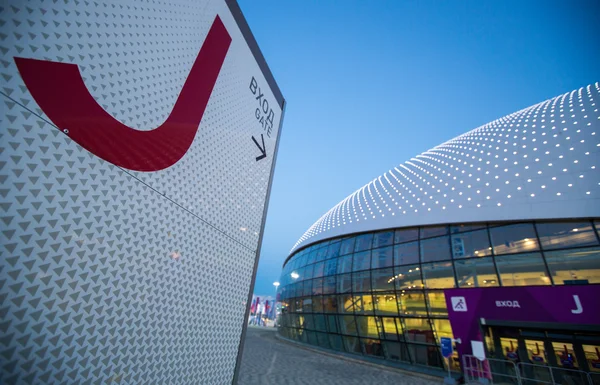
pixel 489 237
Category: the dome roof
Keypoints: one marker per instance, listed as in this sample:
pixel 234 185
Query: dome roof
pixel 540 162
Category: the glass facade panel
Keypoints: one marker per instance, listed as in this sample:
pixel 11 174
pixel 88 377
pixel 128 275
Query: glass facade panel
pixel 478 272
pixel 363 242
pixel 366 327
pixel 382 279
pixel 361 281
pixel 344 283
pixel 559 235
pixel 396 351
pixel 412 302
pixel 418 330
pixel 383 238
pixel 433 231
pixel 386 304
pixel 347 246
pixel 372 347
pixel 407 277
pixel 382 257
pixel 438 275
pixel 471 244
pixel 361 261
pixel 383 302
pixel 514 238
pixel 435 249
pixel 522 270
pixel 406 253
pixel 406 235
pixel 363 303
pixel 574 266
pixel 344 264
pixel 437 303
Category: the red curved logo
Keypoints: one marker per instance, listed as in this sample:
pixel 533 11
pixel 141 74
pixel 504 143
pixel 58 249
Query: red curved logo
pixel 61 93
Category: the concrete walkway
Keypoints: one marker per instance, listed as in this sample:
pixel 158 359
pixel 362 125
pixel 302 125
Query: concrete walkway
pixel 267 360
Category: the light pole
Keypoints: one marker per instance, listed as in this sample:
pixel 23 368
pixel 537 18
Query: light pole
pixel 276 284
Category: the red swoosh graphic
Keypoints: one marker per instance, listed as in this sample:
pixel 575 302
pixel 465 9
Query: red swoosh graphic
pixel 61 93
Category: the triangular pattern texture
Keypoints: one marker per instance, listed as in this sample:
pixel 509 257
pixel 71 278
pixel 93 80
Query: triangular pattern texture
pixel 109 275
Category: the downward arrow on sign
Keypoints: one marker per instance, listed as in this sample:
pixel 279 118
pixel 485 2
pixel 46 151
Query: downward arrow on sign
pixel 262 149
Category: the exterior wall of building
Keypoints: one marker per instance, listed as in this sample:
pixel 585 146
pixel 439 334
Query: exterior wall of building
pixel 384 294
pixel 137 146
pixel 540 162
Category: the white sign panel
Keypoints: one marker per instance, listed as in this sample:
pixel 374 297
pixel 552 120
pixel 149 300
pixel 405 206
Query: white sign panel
pixel 138 144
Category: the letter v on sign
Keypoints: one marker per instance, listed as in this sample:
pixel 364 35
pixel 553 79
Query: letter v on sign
pixel 61 93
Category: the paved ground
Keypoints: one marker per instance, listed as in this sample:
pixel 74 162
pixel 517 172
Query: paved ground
pixel 267 360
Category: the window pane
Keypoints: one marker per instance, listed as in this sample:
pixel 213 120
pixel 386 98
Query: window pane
pixel 395 351
pixel 478 272
pixel 514 238
pixel 312 257
pixel 382 279
pixel 522 270
pixel 372 347
pixel 312 338
pixel 347 324
pixel 442 328
pixel 437 303
pixel 363 303
pixel 334 250
pixel 317 304
pixel 473 244
pixel 418 330
pixel 392 328
pixel 317 286
pixel 433 231
pixel 462 228
pixel 352 345
pixel 435 249
pixel 366 327
pixel 384 238
pixel 330 266
pixel 386 304
pixel 344 283
pixel 406 253
pixel 308 272
pixel 412 302
pixel 318 270
pixel 407 277
pixel 330 304
pixel 347 246
pixel 335 342
pixel 361 261
pixel 344 264
pixel 321 253
pixel 319 321
pixel 296 305
pixel 566 234
pixel 425 355
pixel 406 235
pixel 329 285
pixel 307 288
pixel 574 266
pixel 332 325
pixel 363 242
pixel 361 281
pixel 323 340
pixel 307 305
pixel 439 275
pixel 382 257
pixel 346 303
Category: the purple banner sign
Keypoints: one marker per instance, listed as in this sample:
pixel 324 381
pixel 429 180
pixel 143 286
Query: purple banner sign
pixel 549 304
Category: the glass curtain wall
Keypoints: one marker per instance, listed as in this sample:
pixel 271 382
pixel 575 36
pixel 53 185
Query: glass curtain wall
pixel 380 294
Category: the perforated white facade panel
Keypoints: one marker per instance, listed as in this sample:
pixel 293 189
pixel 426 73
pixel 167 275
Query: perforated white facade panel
pixel 108 274
pixel 540 162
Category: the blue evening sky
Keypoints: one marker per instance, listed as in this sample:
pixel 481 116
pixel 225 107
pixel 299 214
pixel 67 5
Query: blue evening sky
pixel 370 84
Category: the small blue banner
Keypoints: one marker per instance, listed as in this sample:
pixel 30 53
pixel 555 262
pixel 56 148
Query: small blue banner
pixel 446 346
